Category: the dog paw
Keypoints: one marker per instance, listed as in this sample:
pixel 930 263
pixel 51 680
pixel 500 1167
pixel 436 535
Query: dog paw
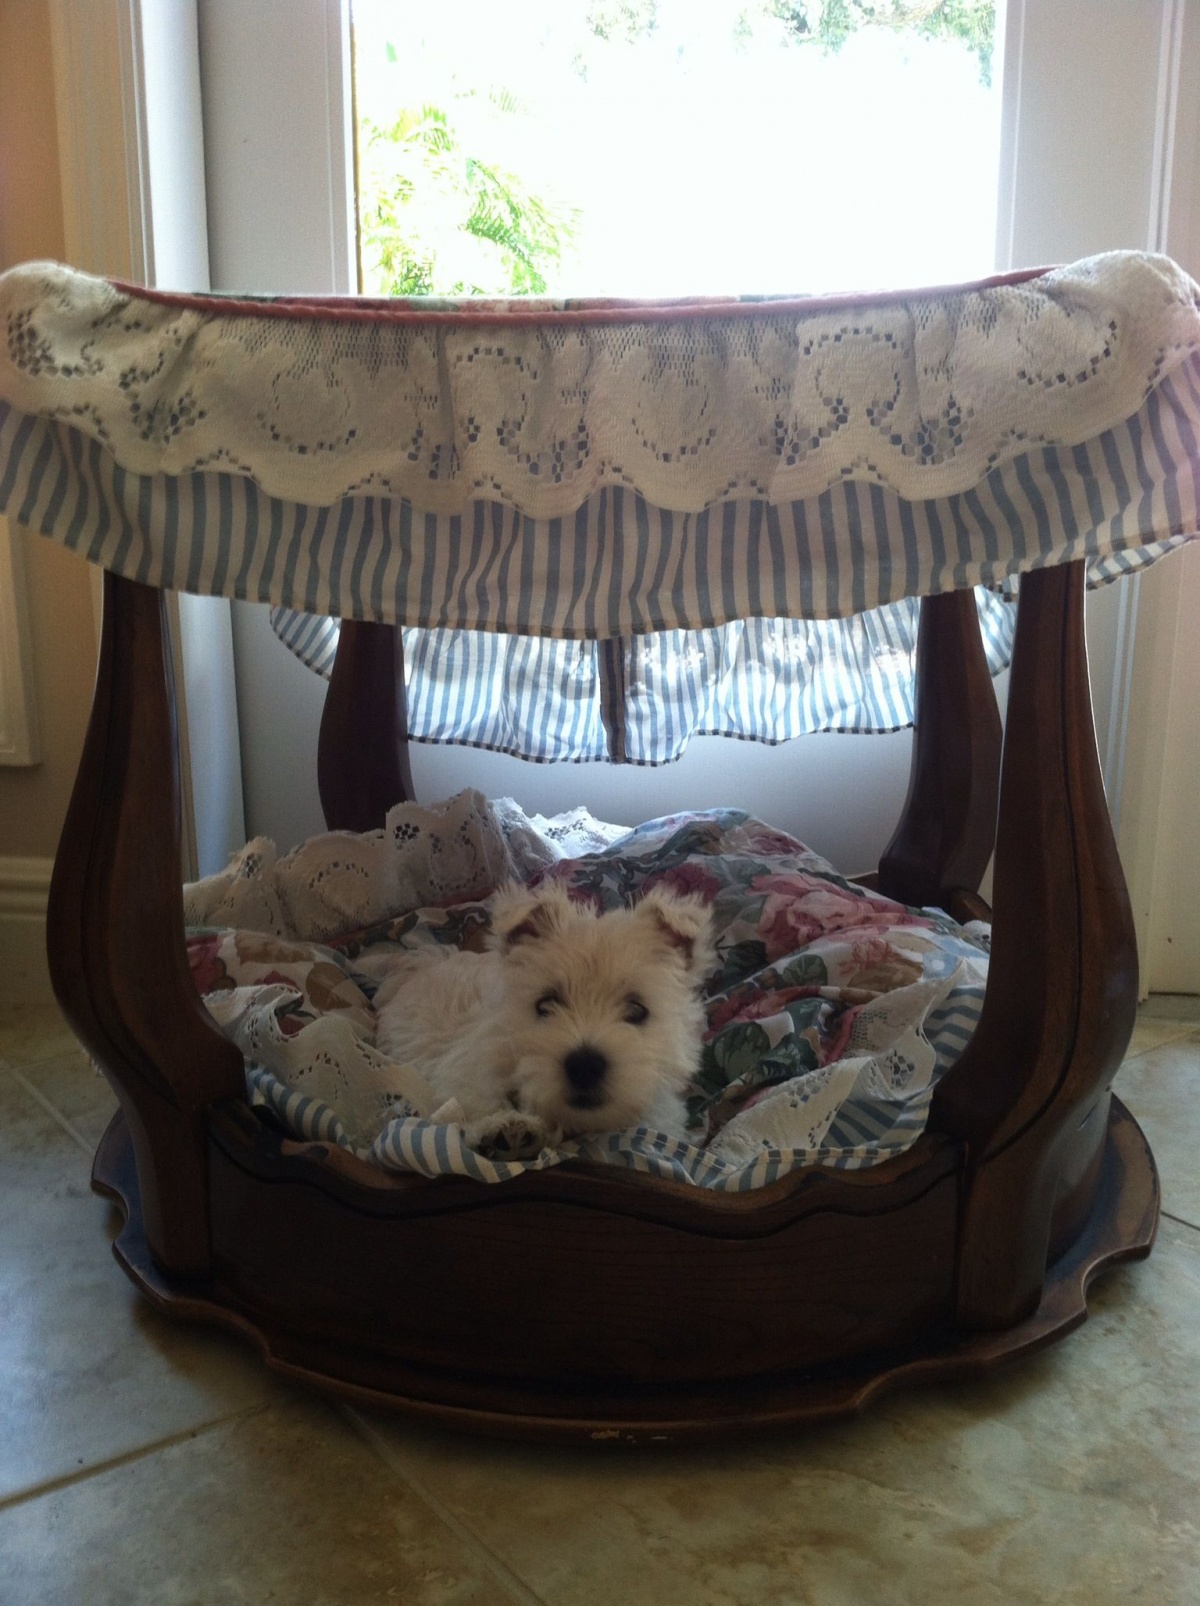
pixel 511 1135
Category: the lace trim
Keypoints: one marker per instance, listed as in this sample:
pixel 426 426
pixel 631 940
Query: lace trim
pixel 924 393
pixel 340 881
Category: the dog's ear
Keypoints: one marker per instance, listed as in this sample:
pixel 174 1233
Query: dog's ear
pixel 522 915
pixel 685 922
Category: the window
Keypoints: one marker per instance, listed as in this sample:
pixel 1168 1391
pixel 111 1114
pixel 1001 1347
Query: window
pixel 664 147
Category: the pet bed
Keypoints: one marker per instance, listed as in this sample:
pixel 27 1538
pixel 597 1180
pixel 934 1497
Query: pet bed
pixel 831 1015
pixel 652 486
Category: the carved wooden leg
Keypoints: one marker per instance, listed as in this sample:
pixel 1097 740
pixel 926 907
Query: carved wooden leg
pixel 947 827
pixel 1062 984
pixel 114 930
pixel 362 756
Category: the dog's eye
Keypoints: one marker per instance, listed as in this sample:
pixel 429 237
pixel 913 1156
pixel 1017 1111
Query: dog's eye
pixel 546 1003
pixel 636 1012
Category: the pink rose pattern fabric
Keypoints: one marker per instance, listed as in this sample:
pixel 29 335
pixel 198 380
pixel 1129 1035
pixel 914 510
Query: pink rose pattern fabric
pixel 801 950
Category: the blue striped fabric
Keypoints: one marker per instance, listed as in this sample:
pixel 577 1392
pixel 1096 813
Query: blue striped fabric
pixel 859 1136
pixel 879 1115
pixel 746 619
pixel 618 567
pixel 764 680
pixel 309 1118
pixel 529 696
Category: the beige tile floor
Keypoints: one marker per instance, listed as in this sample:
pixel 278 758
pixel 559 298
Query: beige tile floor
pixel 147 1465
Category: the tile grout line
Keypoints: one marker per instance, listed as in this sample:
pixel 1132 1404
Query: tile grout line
pixel 1180 1221
pixel 69 1479
pixel 1166 1042
pixel 1175 1029
pixel 500 1570
pixel 53 1111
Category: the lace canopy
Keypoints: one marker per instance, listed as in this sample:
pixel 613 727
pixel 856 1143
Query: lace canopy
pixel 659 506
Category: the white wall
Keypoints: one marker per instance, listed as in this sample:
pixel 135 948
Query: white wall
pixel 1103 139
pixel 1080 95
pixel 1173 942
pixel 1158 829
pixel 1174 930
pixel 803 786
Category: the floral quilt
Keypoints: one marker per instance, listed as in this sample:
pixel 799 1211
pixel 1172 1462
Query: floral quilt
pixel 831 1014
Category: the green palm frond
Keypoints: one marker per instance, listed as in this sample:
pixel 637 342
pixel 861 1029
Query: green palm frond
pixel 419 187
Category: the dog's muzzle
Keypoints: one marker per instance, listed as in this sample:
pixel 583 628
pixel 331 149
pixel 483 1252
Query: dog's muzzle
pixel 585 1070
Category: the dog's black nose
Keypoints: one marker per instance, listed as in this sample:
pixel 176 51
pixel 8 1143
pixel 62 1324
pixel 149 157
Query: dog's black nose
pixel 585 1068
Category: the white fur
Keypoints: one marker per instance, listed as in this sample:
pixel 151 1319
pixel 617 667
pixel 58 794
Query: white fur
pixel 497 1031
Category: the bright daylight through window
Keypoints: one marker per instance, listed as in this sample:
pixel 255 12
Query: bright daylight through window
pixel 674 147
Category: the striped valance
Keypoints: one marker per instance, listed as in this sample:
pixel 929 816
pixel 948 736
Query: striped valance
pixel 605 528
pixel 618 566
pixel 640 699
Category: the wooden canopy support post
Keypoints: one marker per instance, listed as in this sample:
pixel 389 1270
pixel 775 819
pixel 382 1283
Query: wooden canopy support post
pixel 362 754
pixel 1029 1096
pixel 947 827
pixel 114 930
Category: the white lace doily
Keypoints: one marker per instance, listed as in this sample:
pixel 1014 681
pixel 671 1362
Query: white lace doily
pixel 923 393
pixel 341 881
pixel 327 1060
pixel 890 1063
pixel 336 882
pixel 535 842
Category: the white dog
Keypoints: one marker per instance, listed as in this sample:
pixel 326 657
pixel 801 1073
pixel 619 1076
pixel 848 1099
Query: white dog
pixel 573 1022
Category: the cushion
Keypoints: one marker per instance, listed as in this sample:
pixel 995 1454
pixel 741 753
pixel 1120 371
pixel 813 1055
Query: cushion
pixel 830 1016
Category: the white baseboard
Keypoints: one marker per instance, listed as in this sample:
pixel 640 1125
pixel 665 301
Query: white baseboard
pixel 24 889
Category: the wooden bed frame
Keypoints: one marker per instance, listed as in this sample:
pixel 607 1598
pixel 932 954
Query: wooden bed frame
pixel 579 1303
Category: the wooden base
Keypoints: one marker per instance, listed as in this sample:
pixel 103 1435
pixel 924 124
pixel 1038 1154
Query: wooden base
pixel 572 1304
pixel 1121 1227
